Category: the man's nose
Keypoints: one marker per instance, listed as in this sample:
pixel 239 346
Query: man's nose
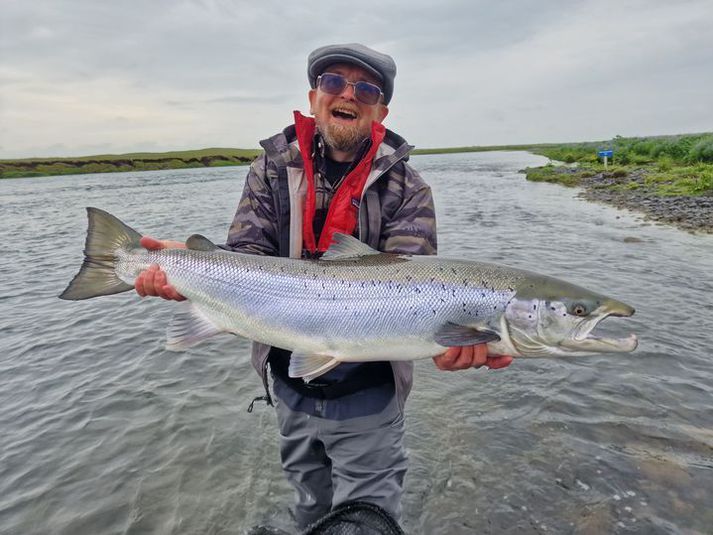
pixel 349 91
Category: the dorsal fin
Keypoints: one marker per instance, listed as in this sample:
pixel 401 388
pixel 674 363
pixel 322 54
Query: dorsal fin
pixel 197 242
pixel 344 246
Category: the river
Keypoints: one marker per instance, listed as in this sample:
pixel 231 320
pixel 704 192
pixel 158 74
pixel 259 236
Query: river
pixel 103 431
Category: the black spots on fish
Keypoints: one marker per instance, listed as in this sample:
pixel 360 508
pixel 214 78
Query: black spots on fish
pixel 434 311
pixel 417 290
pixel 334 297
pixel 534 307
pixel 443 286
pixel 465 282
pixel 433 279
pixel 282 269
pixel 454 271
pixel 322 286
pixel 482 294
pixel 373 283
pixel 443 300
pixel 510 289
pixel 305 285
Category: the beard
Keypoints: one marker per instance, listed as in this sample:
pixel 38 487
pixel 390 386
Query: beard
pixel 344 138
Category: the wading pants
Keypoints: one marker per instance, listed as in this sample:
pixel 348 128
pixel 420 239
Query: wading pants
pixel 330 462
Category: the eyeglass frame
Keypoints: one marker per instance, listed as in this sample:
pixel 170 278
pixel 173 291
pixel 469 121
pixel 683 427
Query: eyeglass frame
pixel 353 84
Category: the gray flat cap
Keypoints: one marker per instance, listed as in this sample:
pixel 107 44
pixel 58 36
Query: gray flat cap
pixel 380 65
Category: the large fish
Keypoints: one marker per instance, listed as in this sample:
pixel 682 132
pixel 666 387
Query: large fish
pixel 354 304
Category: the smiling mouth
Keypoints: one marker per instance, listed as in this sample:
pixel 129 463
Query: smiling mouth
pixel 344 114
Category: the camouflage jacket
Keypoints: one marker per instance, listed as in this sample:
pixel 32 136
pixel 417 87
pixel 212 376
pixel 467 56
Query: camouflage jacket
pixel 396 215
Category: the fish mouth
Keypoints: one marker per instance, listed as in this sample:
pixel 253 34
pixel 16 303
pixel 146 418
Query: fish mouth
pixel 583 340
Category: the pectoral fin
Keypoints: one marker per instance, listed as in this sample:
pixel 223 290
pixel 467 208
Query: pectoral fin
pixel 310 366
pixel 189 326
pixel 452 334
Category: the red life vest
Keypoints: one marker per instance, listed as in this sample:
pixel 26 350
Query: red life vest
pixel 343 212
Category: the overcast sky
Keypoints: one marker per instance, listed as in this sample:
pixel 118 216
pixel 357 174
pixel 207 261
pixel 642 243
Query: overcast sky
pixel 81 77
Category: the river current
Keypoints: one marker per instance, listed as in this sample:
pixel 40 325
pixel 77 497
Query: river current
pixel 102 431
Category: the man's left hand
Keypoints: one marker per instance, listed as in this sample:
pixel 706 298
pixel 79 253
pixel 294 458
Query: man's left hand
pixel 462 358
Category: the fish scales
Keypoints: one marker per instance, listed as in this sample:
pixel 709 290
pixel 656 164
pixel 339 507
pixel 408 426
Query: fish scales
pixel 330 301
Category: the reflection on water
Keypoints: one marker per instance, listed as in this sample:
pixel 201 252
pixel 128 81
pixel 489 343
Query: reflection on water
pixel 105 432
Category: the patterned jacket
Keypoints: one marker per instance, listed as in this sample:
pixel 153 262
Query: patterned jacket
pixel 396 215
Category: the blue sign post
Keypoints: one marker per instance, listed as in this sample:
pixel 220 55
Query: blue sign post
pixel 606 154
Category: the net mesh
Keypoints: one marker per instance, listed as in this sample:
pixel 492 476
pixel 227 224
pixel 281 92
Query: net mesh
pixel 355 518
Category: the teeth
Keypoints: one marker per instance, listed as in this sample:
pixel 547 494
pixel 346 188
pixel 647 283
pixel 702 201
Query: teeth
pixel 344 111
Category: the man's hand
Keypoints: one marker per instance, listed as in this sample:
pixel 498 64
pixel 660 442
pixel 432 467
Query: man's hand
pixel 462 358
pixel 153 280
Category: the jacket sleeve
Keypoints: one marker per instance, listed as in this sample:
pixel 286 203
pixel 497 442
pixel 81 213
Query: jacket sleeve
pixel 411 229
pixel 254 227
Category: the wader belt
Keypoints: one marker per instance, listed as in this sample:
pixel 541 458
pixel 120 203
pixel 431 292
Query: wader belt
pixel 368 375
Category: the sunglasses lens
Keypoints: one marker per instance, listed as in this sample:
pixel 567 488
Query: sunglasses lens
pixel 333 84
pixel 367 93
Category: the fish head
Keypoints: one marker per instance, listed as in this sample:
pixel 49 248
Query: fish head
pixel 550 318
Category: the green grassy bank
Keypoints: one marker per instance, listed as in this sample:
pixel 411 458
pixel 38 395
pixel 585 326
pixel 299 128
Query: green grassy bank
pixel 139 161
pixel 662 165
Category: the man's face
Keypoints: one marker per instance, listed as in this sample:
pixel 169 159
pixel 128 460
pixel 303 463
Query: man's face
pixel 344 121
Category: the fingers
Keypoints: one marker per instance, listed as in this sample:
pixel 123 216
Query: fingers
pixel 153 282
pixel 152 244
pixel 476 356
pixel 147 242
pixel 498 362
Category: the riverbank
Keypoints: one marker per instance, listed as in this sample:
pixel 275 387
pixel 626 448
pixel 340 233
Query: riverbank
pixel 116 163
pixel 637 189
pixel 667 178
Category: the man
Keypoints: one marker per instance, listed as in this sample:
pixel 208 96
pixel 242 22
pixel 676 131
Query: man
pixel 341 171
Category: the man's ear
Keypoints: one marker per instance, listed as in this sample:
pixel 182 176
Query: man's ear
pixel 311 95
pixel 383 112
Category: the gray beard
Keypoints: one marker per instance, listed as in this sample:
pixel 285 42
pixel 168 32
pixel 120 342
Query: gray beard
pixel 342 138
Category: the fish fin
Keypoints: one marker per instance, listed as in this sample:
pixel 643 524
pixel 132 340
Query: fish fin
pixel 105 235
pixel 345 246
pixel 196 242
pixel 189 326
pixel 310 366
pixel 452 334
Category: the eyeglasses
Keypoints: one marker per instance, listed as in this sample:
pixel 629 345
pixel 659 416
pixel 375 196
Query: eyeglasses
pixel 334 84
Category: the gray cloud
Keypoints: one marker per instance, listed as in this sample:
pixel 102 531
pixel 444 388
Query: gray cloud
pixel 76 74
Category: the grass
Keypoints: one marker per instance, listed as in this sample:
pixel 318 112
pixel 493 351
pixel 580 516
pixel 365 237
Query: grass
pixel 137 161
pixel 662 165
pixel 670 165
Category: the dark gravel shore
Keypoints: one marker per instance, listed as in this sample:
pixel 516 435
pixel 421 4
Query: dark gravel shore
pixel 694 214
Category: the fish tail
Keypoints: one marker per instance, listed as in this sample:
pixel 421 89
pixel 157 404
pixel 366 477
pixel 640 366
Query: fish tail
pixel 106 234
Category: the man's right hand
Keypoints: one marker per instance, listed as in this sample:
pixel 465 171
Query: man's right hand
pixel 153 281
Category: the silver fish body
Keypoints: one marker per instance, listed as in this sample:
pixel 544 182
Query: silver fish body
pixel 355 304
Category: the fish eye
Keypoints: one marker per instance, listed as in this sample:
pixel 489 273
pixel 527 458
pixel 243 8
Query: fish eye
pixel 578 309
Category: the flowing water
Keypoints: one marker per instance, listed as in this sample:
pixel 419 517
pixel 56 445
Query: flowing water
pixel 103 432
